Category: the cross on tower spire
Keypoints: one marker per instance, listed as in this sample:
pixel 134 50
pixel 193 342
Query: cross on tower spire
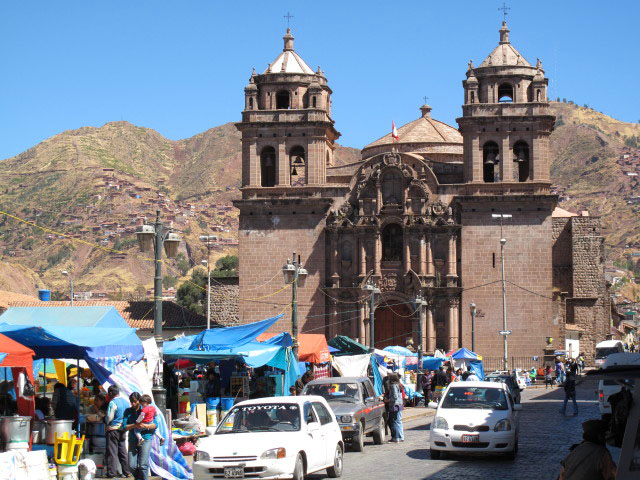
pixel 425 99
pixel 288 16
pixel 505 11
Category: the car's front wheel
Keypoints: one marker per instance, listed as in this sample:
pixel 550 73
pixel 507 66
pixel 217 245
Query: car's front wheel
pixel 336 470
pixel 512 454
pixel 357 442
pixel 435 454
pixel 298 470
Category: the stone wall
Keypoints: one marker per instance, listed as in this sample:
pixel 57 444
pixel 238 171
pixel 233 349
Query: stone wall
pixel 224 301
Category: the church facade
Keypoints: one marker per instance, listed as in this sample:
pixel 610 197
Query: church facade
pixel 420 216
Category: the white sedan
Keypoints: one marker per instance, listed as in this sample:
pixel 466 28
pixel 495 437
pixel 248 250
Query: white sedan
pixel 475 417
pixel 276 437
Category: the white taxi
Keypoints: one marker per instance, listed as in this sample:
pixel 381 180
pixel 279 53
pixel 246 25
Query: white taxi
pixel 275 437
pixel 479 417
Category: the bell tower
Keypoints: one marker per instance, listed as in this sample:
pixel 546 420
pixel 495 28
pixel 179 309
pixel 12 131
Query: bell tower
pixel 506 121
pixel 287 132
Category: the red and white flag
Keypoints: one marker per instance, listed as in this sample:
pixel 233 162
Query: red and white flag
pixel 394 132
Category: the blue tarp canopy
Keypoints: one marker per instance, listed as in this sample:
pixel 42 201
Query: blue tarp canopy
pixel 398 350
pixel 98 316
pixel 77 342
pixel 464 353
pixel 216 338
pixel 476 367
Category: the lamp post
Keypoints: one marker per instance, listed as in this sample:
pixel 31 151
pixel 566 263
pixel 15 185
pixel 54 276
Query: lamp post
pixel 67 274
pixel 420 301
pixel 504 332
pixel 155 236
pixel 472 307
pixel 295 275
pixel 371 287
pixel 208 240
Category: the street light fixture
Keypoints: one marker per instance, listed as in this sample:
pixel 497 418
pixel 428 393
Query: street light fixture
pixel 208 240
pixel 66 274
pixel 155 236
pixel 370 287
pixel 504 332
pixel 296 275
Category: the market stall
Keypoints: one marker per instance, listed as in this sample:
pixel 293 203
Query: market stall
pixel 467 360
pixel 312 350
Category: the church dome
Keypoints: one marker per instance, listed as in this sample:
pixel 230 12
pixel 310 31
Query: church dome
pixel 426 136
pixel 289 61
pixel 504 54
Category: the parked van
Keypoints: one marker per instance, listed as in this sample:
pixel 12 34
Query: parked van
pixel 610 386
pixel 606 348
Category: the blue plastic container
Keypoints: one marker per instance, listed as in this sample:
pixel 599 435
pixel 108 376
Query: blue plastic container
pixel 212 403
pixel 44 295
pixel 226 403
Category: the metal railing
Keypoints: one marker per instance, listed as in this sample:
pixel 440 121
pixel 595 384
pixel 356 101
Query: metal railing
pixel 491 364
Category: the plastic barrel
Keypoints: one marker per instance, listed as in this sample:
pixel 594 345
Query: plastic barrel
pixel 212 403
pixel 226 403
pixel 212 418
pixel 44 295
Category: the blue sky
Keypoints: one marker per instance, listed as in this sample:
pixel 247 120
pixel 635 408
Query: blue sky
pixel 180 66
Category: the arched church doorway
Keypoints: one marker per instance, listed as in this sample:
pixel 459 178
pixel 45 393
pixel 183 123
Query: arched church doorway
pixel 394 325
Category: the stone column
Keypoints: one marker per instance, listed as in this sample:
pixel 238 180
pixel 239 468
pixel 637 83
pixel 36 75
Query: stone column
pixel 406 249
pixel 377 250
pixel 423 328
pixel 282 164
pixel 360 321
pixel 455 302
pixel 333 255
pixel 430 329
pixel 452 341
pixel 452 268
pixel 363 256
pixel 355 265
pixel 506 161
pixel 422 255
pixel 429 254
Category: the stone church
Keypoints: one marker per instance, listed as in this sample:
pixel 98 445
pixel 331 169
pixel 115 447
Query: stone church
pixel 417 216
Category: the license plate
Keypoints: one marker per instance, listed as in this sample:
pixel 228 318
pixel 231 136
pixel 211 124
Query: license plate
pixel 470 438
pixel 233 472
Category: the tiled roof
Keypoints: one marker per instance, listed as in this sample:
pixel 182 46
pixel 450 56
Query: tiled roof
pixel 504 54
pixel 138 314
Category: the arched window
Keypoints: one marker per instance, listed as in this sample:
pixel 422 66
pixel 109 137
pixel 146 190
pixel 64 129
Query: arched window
pixel 313 101
pixel 268 167
pixel 392 187
pixel 490 161
pixel 521 154
pixel 392 242
pixel 250 103
pixel 328 159
pixel 297 165
pixel 472 97
pixel 538 95
pixel 283 100
pixel 505 93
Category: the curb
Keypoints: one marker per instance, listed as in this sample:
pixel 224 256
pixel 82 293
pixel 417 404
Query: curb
pixel 416 413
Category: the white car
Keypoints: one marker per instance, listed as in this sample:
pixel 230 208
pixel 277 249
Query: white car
pixel 479 417
pixel 610 386
pixel 276 437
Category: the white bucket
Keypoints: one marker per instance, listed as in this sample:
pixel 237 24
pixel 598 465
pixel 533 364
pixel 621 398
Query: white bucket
pixel 212 418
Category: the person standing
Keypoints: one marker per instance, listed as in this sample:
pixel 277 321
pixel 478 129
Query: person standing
pixel 559 371
pixel 116 450
pixel 396 405
pixel 570 393
pixel 591 458
pixel 442 380
pixel 139 452
pixel 548 379
pixel 425 383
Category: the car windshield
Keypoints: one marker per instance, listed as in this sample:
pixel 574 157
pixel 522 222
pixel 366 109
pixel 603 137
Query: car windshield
pixel 606 351
pixel 333 391
pixel 268 417
pixel 475 397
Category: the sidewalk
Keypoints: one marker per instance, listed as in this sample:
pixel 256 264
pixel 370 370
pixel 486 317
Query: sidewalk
pixel 412 413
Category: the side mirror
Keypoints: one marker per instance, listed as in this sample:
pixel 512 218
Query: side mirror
pixel 517 407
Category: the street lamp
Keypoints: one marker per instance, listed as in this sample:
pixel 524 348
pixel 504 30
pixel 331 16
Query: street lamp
pixel 419 301
pixel 208 241
pixel 472 307
pixel 66 274
pixel 295 275
pixel 504 332
pixel 155 236
pixel 370 287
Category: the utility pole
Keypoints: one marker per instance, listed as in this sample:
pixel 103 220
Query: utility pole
pixel 504 331
pixel 295 275
pixel 207 239
pixel 473 326
pixel 373 290
pixel 420 302
pixel 67 274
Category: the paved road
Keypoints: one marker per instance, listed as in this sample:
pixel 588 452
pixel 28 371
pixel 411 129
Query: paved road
pixel 545 437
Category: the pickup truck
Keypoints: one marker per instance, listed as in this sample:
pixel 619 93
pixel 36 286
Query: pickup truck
pixel 355 405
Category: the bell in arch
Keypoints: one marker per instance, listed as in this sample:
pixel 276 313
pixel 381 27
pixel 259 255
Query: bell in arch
pixel 491 159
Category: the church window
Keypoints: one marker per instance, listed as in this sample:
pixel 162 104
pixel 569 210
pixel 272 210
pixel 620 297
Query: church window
pixel 505 93
pixel 313 101
pixel 297 166
pixel 251 103
pixel 537 95
pixel 282 100
pixel 473 95
pixel 328 159
pixel 392 242
pixel 521 154
pixel 268 167
pixel 490 161
pixel 392 187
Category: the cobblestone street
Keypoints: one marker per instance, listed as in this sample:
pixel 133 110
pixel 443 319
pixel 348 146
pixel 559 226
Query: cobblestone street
pixel 545 436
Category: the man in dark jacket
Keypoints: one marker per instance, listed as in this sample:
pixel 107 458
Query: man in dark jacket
pixel 570 393
pixel 591 458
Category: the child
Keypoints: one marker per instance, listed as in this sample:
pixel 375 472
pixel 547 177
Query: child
pixel 146 416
